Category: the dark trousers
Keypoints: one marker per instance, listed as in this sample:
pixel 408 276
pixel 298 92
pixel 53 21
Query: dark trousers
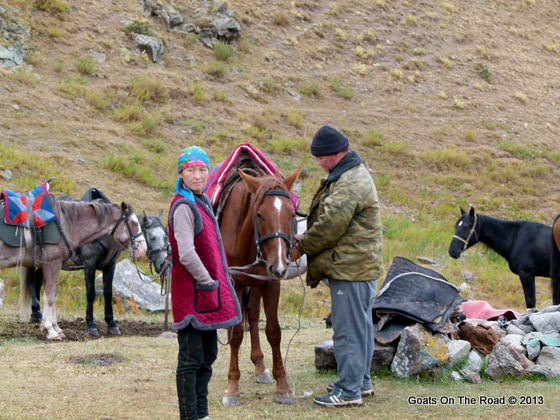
pixel 197 351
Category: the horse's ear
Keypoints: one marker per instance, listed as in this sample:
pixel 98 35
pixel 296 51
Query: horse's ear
pixel 471 211
pixel 291 179
pixel 126 208
pixel 144 215
pixel 462 211
pixel 251 181
pixel 160 213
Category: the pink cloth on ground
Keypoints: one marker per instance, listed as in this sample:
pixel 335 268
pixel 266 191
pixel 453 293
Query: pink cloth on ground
pixel 480 309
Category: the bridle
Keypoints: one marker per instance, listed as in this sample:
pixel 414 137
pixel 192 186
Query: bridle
pixel 124 218
pixel 471 233
pixel 152 224
pixel 260 239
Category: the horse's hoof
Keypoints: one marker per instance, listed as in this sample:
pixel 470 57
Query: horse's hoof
pixel 94 332
pixel 55 336
pixel 284 398
pixel 265 377
pixel 114 330
pixel 231 400
pixel 36 317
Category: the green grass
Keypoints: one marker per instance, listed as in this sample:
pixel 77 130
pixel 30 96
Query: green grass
pixel 30 169
pixel 223 51
pixel 54 7
pixel 290 145
pixel 309 88
pixel 148 89
pixel 85 66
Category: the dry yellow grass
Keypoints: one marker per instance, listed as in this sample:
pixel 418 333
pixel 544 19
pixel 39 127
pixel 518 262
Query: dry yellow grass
pixel 69 381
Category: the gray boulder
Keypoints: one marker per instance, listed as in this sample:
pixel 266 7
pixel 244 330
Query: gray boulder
pixel 151 45
pixel 129 283
pixel 418 351
pixel 550 358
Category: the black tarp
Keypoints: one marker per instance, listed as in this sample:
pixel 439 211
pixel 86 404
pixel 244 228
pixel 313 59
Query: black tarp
pixel 412 293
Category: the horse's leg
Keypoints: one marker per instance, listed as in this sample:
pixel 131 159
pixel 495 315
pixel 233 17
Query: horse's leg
pixel 528 282
pixel 271 295
pixel 262 374
pixel 108 273
pixel 35 282
pixel 48 323
pixel 555 287
pixel 89 276
pixel 232 395
pixel 25 295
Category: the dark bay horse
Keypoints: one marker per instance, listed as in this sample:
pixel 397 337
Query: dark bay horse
pixel 527 247
pixel 257 227
pixel 80 223
pixel 103 255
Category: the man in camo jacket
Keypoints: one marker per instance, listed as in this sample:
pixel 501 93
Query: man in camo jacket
pixel 344 244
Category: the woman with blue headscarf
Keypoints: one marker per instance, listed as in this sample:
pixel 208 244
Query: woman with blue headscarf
pixel 202 294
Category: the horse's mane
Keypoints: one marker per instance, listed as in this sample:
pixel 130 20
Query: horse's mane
pixel 72 210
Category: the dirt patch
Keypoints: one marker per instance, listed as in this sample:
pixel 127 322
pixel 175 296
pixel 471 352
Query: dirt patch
pixel 75 330
pixel 104 359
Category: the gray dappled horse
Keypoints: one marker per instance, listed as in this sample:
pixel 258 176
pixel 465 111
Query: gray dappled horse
pixel 80 223
pixel 103 255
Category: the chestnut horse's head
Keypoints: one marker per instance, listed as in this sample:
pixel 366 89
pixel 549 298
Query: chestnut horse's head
pixel 273 215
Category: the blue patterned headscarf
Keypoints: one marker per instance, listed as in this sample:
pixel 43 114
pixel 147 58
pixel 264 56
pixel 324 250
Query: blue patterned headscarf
pixel 191 156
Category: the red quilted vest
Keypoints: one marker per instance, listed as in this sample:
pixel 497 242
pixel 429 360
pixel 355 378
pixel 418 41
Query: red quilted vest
pixel 203 309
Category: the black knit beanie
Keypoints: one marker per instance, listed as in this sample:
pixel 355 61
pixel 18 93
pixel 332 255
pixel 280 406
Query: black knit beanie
pixel 328 141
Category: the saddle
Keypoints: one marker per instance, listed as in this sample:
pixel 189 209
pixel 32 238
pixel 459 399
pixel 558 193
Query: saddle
pixel 244 156
pixel 33 211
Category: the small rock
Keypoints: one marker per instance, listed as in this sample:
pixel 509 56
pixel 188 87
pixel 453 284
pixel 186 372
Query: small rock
pixel 6 174
pixel 168 334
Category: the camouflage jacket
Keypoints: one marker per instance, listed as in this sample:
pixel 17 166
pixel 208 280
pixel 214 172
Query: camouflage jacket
pixel 344 238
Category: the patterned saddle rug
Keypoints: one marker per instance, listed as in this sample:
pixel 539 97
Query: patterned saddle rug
pixel 34 210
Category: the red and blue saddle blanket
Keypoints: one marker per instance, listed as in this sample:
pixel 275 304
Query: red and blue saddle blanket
pixel 37 206
pixel 222 171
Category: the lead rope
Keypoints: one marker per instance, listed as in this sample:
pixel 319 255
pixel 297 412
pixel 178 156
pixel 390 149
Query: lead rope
pixel 300 311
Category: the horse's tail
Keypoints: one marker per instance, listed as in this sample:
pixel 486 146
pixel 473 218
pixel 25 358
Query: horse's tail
pixel 555 261
pixel 25 298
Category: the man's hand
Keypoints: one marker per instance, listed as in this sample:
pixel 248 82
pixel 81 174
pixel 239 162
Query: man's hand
pixel 295 252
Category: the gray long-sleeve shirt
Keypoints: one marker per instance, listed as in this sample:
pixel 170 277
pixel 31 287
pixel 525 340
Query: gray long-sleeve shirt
pixel 183 227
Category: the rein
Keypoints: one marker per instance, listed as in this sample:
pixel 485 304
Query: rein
pixel 260 239
pixel 124 218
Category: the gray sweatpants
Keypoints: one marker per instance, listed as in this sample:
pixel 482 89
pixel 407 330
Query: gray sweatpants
pixel 351 305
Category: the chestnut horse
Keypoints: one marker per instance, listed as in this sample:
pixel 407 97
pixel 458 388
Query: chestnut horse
pixel 80 223
pixel 257 224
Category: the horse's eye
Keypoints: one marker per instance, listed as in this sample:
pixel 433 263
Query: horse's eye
pixel 259 216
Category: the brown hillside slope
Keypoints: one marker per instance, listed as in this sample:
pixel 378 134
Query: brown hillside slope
pixel 450 102
pixel 475 80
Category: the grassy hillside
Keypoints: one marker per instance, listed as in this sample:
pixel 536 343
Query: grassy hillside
pixel 450 102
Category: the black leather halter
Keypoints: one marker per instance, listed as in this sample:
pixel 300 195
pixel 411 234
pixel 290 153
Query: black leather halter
pixel 260 239
pixel 153 223
pixel 124 218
